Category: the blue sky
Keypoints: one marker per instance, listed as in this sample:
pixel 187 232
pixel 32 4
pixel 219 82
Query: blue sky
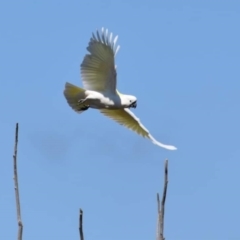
pixel 181 60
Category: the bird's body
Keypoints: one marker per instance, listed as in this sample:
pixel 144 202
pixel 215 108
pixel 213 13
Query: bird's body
pixel 99 78
pixel 100 100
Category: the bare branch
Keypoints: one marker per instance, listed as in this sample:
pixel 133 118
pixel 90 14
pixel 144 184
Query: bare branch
pixel 81 224
pixel 161 210
pixel 158 217
pixel 15 178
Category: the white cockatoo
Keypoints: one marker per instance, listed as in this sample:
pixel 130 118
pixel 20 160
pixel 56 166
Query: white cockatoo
pixel 99 76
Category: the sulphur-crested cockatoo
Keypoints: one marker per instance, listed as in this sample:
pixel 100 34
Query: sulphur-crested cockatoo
pixel 99 76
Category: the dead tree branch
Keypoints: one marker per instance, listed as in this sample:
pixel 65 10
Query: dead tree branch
pixel 161 206
pixel 81 224
pixel 15 178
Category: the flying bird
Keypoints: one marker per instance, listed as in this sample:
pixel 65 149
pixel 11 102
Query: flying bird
pixel 99 77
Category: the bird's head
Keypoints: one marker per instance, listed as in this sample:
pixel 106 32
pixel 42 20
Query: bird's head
pixel 129 101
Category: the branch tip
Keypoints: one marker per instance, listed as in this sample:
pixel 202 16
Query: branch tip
pixel 81 224
pixel 16 188
pixel 161 207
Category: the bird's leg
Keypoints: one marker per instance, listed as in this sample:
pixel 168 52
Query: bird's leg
pixel 81 101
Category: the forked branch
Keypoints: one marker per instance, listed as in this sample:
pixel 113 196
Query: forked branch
pixel 15 178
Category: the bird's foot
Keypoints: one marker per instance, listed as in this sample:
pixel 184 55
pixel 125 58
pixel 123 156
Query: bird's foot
pixel 83 108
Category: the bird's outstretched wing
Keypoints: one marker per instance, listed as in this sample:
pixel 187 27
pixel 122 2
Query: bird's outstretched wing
pixel 98 70
pixel 128 119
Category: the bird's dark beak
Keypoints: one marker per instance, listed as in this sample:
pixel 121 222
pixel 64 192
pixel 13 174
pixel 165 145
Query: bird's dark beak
pixel 133 105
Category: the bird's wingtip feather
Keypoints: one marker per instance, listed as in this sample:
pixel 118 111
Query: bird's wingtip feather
pixel 168 147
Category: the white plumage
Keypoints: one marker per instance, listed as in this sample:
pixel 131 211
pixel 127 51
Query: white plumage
pixel 99 76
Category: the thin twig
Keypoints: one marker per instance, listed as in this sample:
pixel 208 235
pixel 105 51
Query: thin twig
pixel 158 216
pixel 81 224
pixel 15 178
pixel 161 210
